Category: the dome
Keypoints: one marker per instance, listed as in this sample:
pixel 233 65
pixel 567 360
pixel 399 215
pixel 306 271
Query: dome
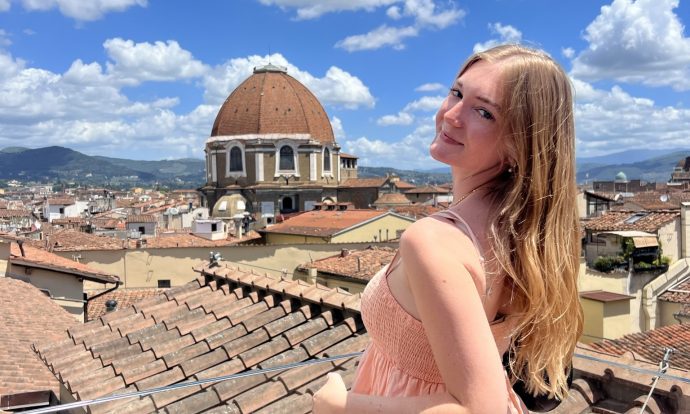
pixel 621 177
pixel 272 102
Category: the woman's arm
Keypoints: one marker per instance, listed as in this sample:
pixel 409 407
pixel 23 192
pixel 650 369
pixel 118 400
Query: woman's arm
pixel 436 257
pixel 333 398
pixel 437 260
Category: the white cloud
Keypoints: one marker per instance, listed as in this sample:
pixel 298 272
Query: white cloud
pixel 159 61
pixel 85 108
pixel 609 120
pixel 378 38
pixel 425 14
pixel 411 151
pixel 338 130
pixel 402 118
pixel 4 5
pixel 506 34
pixel 430 87
pixel 337 87
pixel 568 52
pixel 310 9
pixel 425 103
pixel 394 13
pixel 79 9
pixel 637 42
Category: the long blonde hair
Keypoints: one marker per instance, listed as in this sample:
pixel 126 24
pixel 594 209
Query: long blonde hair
pixel 534 225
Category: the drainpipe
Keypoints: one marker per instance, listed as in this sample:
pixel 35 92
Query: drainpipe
pixel 87 299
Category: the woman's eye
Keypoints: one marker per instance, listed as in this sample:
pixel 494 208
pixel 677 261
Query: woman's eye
pixel 485 114
pixel 456 93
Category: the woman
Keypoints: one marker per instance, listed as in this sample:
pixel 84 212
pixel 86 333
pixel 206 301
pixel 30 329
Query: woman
pixel 495 272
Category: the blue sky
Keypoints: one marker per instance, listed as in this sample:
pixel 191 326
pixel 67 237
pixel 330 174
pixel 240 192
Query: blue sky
pixel 144 79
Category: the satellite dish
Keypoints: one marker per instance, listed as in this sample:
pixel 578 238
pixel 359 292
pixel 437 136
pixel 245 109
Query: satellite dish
pixel 664 198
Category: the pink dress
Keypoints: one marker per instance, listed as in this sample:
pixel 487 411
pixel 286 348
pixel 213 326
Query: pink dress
pixel 399 361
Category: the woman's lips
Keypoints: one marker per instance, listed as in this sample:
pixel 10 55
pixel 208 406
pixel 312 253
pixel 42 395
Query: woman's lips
pixel 448 140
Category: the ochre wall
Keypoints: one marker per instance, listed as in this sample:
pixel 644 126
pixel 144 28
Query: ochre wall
pixel 594 320
pixel 144 267
pixel 616 319
pixel 367 232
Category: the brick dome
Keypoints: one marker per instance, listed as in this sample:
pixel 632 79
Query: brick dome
pixel 272 102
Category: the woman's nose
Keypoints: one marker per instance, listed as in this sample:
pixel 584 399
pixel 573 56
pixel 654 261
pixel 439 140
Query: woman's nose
pixel 453 114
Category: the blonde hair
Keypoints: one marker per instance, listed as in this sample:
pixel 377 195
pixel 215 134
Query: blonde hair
pixel 534 227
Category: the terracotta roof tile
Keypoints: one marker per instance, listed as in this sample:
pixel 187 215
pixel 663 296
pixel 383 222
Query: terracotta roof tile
pixel 625 220
pixel 240 320
pixel 428 189
pixel 35 257
pixel 650 345
pixel 123 297
pixel 323 223
pixel 603 296
pixel 356 264
pixel 22 324
pixel 392 199
pixel 364 182
pixel 68 240
pixel 142 218
pixel 5 213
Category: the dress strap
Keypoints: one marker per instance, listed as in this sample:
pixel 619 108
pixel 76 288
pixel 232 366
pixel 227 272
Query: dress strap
pixel 461 224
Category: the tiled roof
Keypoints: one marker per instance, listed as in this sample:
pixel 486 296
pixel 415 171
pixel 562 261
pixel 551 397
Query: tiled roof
pixel 227 321
pixel 39 258
pixel 62 201
pixel 142 218
pixel 172 240
pixel 417 211
pixel 603 195
pixel 273 102
pixel 344 155
pixel 651 200
pixel 356 264
pixel 5 213
pixel 68 220
pixel 679 293
pixel 429 189
pixel 650 345
pixel 108 223
pixel 392 198
pixel 323 223
pixel 124 298
pixel 603 296
pixel 364 182
pixel 402 185
pixel 616 220
pixel 27 315
pixel 69 240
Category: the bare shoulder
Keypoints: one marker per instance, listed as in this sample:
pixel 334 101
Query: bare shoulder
pixel 435 243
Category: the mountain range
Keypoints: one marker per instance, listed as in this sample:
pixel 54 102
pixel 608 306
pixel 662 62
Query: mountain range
pixel 55 164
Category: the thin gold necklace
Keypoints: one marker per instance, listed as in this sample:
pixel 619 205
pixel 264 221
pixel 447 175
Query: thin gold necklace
pixel 455 203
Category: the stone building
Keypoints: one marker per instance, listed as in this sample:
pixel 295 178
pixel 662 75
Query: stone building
pixel 273 144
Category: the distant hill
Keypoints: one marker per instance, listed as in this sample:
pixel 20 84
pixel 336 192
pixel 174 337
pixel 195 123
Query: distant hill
pixel 50 164
pixel 411 176
pixel 656 168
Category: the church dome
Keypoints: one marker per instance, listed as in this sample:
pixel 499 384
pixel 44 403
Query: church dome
pixel 621 177
pixel 273 104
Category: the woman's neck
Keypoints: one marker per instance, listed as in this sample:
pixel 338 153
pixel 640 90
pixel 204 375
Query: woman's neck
pixel 463 184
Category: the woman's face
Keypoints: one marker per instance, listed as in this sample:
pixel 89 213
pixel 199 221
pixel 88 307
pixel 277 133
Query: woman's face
pixel 468 124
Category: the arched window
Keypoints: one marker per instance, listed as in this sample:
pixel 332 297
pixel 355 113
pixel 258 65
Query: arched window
pixel 287 158
pixel 326 159
pixel 236 159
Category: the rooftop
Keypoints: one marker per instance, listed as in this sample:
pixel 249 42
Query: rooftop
pixel 356 264
pixel 320 223
pixel 631 220
pixel 225 322
pixel 39 258
pixel 20 369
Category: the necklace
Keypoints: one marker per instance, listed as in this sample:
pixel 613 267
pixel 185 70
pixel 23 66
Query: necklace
pixel 459 200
